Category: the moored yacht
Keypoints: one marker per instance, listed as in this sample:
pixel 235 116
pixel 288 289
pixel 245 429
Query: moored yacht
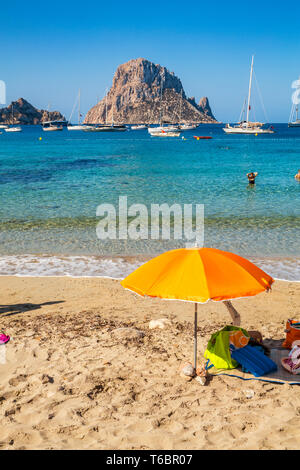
pixel 248 127
pixel 187 127
pixel 51 126
pixel 138 127
pixel 107 127
pixel 163 130
pixel 294 113
pixel 13 128
pixel 79 126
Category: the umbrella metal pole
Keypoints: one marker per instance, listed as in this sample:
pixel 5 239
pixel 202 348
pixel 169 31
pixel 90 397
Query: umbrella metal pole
pixel 195 338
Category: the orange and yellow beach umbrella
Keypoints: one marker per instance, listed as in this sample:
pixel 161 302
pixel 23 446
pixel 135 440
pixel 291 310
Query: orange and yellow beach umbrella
pixel 198 275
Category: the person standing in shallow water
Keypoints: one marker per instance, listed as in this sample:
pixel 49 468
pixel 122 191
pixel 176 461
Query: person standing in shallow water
pixel 251 177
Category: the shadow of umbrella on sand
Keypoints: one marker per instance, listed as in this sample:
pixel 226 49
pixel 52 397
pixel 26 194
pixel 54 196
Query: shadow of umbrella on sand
pixel 199 275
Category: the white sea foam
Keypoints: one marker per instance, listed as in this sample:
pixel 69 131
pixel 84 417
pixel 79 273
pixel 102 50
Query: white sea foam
pixel 116 267
pixel 74 266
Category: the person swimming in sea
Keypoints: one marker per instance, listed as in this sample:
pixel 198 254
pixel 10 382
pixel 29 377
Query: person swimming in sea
pixel 251 177
pixel 297 176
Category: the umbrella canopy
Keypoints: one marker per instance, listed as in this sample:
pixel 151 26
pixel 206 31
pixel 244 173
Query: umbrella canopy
pixel 198 275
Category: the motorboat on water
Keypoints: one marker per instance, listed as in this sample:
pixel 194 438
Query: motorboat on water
pixel 138 127
pixel 3 126
pixel 13 129
pixel 246 126
pixel 187 127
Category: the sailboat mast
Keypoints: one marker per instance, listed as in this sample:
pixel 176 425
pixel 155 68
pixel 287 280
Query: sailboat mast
pixel 180 112
pixel 106 107
pixel 79 106
pixel 160 117
pixel 249 93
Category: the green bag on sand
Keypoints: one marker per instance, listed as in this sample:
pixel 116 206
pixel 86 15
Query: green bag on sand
pixel 218 351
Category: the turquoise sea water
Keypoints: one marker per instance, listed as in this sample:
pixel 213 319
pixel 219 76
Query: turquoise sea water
pixel 50 190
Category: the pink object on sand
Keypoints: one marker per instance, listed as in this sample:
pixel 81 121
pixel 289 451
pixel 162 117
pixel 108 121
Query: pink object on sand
pixel 4 339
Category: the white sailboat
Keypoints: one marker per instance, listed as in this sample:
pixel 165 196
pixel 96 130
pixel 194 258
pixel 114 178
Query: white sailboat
pixel 294 112
pixel 107 127
pixel 248 127
pixel 161 130
pixel 185 126
pixel 13 128
pixel 79 126
pixel 52 126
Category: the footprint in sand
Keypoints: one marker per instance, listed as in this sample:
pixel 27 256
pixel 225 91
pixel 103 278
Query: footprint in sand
pixel 16 380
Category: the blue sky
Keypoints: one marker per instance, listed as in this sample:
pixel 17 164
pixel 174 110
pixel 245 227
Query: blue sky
pixel 51 49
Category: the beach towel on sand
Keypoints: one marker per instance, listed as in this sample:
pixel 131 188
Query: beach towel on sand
pixel 218 350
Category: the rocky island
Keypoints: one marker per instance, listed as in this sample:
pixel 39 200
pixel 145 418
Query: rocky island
pixel 22 112
pixel 142 92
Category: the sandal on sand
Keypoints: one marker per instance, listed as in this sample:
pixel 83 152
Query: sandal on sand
pixel 4 339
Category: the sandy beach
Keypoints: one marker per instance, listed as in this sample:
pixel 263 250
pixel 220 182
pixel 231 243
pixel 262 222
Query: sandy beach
pixel 74 378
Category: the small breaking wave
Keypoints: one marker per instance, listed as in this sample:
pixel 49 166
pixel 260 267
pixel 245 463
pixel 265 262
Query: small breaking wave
pixel 287 269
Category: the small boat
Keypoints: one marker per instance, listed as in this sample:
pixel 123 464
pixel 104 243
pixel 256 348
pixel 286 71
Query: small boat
pixel 162 132
pixel 137 128
pixel 79 126
pixel 51 126
pixel 187 127
pixel 294 123
pixel 294 111
pixel 104 128
pixel 205 137
pixel 107 127
pixel 13 129
pixel 3 126
pixel 248 127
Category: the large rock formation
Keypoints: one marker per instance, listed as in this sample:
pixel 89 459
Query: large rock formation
pixel 135 98
pixel 22 112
